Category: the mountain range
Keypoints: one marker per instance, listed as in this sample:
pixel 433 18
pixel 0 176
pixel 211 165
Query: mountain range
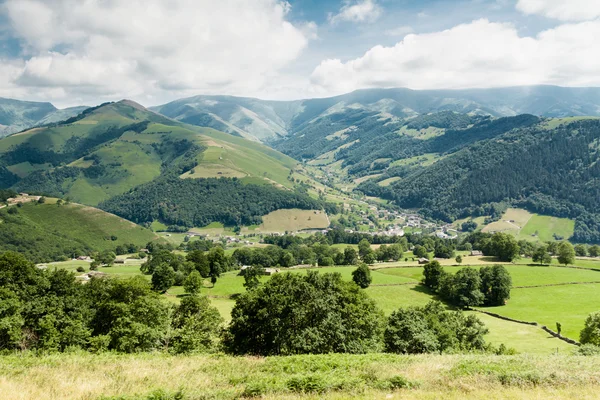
pixel 271 120
pixel 451 154
pixel 16 115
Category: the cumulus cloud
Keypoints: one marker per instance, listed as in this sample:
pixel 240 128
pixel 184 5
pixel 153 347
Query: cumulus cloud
pixel 478 54
pixel 564 10
pixel 357 11
pixel 146 49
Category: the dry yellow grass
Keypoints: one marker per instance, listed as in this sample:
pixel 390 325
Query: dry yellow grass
pixel 294 220
pixel 514 219
pixel 88 376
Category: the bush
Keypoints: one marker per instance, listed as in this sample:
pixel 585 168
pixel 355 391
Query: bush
pixel 307 384
pixel 80 269
pixel 591 331
pixel 588 350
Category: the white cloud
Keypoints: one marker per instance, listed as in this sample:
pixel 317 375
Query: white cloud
pixel 357 11
pixel 478 54
pixel 149 49
pixel 564 10
pixel 400 31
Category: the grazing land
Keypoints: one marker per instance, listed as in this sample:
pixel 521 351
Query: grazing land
pixel 534 227
pixel 542 294
pixel 294 220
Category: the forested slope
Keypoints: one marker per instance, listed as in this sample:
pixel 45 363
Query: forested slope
pixel 546 169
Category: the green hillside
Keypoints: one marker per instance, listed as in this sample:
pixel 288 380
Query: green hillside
pixel 107 151
pixel 48 232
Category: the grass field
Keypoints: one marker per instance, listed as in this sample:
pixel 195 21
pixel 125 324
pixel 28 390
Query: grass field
pixel 293 220
pixel 336 376
pixel 525 225
pixel 90 225
pixel 397 285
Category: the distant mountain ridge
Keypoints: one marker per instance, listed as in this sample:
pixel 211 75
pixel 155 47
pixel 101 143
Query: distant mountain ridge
pixel 16 115
pixel 272 120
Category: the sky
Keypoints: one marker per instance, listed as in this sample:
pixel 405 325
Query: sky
pixel 85 52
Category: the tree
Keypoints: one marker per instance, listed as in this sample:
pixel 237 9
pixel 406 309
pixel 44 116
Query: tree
pixel 41 200
pixel 350 256
pixel 496 284
pixel 541 255
pixel 128 316
pixel 594 251
pixel 566 253
pixel 252 277
pixel 362 276
pixel 107 257
pixel 459 259
pixel 314 313
pixel 581 250
pixel 193 283
pixel 467 288
pixel 163 278
pixel 369 258
pixel 431 328
pixel 469 226
pixel 420 251
pixel 200 261
pixel 364 247
pixel 591 331
pixel 196 326
pixel 432 274
pixel 504 246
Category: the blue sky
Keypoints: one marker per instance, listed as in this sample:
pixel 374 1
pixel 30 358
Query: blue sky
pixel 73 52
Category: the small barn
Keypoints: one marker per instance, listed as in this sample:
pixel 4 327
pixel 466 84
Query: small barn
pixel 423 261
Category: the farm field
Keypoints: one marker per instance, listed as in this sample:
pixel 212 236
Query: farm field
pixel 293 220
pixel 525 225
pixel 72 376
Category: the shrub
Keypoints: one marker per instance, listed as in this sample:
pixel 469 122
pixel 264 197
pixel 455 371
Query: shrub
pixel 80 269
pixel 591 331
pixel 307 384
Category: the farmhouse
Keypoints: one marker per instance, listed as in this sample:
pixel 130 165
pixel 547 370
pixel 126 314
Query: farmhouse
pixel 477 253
pixel 423 261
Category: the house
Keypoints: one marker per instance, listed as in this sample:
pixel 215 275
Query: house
pixel 423 261
pixel 144 251
pixel 477 253
pixel 84 258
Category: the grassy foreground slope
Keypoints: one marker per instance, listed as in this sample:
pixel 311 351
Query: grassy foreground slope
pixel 45 232
pixel 372 376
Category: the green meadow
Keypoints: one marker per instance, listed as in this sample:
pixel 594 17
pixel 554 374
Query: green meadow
pixel 571 296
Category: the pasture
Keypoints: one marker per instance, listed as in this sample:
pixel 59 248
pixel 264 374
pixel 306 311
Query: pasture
pixel 534 227
pixel 293 220
pixel 542 294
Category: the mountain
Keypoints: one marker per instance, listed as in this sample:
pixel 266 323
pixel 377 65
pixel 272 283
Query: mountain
pixel 549 166
pixel 109 154
pixel 269 121
pixel 50 232
pixel 16 115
